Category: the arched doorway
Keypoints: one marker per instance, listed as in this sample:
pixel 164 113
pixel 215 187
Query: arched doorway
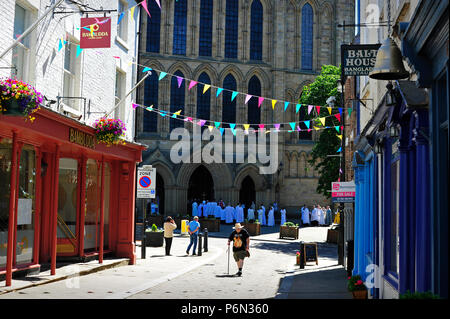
pixel 247 193
pixel 160 193
pixel 201 185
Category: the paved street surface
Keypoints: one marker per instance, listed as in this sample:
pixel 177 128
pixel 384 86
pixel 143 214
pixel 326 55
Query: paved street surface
pixel 270 272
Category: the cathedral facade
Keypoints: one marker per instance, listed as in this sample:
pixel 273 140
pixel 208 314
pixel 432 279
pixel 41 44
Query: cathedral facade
pixel 265 48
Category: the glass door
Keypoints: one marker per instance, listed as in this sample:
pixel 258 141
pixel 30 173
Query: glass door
pixel 68 194
pixel 5 180
pixel 92 206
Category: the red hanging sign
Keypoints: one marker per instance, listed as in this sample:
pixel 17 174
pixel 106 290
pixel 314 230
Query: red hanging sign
pixel 95 33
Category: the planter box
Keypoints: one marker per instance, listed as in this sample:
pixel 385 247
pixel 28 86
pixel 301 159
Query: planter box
pixel 252 228
pixel 359 294
pixel 213 225
pixel 154 239
pixel 158 220
pixel 288 232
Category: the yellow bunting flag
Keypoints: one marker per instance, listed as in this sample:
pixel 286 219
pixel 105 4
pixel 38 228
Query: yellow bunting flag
pixel 340 136
pixel 316 128
pixel 322 120
pixel 177 112
pixel 132 12
pixel 329 109
pixel 210 128
pixel 206 88
pixel 273 104
pixel 246 126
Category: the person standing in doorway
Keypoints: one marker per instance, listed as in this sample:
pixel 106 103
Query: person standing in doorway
pixel 169 227
pixel 241 246
pixel 193 230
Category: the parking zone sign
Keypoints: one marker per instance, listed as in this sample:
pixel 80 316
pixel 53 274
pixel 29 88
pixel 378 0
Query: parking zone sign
pixel 146 182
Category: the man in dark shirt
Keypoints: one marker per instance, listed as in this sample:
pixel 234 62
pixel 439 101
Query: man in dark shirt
pixel 241 245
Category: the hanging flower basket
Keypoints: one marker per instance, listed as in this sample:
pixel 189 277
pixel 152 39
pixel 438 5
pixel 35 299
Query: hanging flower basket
pixel 19 99
pixel 109 131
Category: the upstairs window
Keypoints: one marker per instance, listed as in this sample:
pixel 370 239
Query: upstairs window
pixel 256 30
pixel 151 90
pixel 153 27
pixel 180 27
pixel 177 96
pixel 206 25
pixel 307 37
pixel 231 29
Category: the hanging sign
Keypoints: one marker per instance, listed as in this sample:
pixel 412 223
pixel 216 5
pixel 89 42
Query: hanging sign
pixel 146 182
pixel 95 33
pixel 358 59
pixel 343 192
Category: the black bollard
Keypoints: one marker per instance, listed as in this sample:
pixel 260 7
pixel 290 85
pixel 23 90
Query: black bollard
pixel 302 255
pixel 200 244
pixel 143 245
pixel 205 240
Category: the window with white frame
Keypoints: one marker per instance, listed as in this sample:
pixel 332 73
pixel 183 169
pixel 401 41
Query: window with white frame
pixel 21 52
pixel 71 78
pixel 119 93
pixel 122 27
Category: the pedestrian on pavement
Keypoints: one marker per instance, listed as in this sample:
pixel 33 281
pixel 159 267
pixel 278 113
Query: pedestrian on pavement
pixel 169 227
pixel 283 216
pixel 305 216
pixel 271 217
pixel 329 218
pixel 193 230
pixel 229 214
pixel 241 246
pixel 315 216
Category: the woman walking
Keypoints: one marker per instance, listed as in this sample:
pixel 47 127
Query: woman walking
pixel 169 227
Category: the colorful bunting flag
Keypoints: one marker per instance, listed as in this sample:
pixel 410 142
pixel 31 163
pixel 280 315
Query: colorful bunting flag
pixel 273 104
pixel 132 12
pixel 210 127
pixel 286 104
pixel 159 4
pixel 217 124
pixel 246 126
pixel 219 90
pixel 310 107
pixel 318 109
pixel 146 69
pixel 292 124
pixel 329 109
pixel 233 96
pixel 339 150
pixel 134 106
pixel 79 50
pixel 322 120
pixel 260 100
pixel 350 112
pixel 338 116
pixel 144 5
pixel 192 84
pixel 247 98
pixel 232 126
pixel 297 108
pixel 307 124
pixel 261 127
pixel 337 128
pixel 162 75
pixel 277 126
pixel 120 17
pixel 206 88
pixel 180 81
pixel 221 130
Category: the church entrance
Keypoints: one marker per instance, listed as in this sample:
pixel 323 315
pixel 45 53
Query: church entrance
pixel 201 185
pixel 247 194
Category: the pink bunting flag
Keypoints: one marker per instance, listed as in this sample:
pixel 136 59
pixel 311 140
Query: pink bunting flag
pixel 180 80
pixel 201 122
pixel 144 5
pixel 260 100
pixel 159 4
pixel 277 126
pixel 309 130
pixel 192 84
pixel 298 129
pixel 134 105
pixel 247 98
pixel 310 107
pixel 318 109
pixel 116 57
pixel 338 116
pixel 261 127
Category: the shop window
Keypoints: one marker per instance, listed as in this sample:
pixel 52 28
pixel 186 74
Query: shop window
pixel 26 206
pixel 67 202
pixel 231 29
pixel 92 215
pixel 71 85
pixel 206 24
pixel 21 53
pixel 119 93
pixel 5 178
pixel 106 198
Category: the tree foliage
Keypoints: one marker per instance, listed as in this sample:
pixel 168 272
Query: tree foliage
pixel 317 93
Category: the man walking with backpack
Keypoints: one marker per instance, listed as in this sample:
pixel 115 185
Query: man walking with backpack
pixel 241 245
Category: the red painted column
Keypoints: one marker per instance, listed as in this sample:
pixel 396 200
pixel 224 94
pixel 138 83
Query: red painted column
pixel 12 210
pixel 102 207
pixel 82 180
pixel 54 215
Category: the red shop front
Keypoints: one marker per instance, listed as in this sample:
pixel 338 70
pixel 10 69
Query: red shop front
pixel 62 195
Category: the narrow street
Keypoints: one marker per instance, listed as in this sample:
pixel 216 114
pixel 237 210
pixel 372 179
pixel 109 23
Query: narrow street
pixel 198 277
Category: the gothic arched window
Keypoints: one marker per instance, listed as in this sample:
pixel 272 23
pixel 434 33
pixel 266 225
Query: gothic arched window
pixel 180 27
pixel 203 99
pixel 228 106
pixel 150 119
pixel 307 37
pixel 254 112
pixel 231 29
pixel 177 95
pixel 206 25
pixel 256 30
pixel 153 27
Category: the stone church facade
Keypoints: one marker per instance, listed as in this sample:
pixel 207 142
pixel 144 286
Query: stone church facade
pixel 280 45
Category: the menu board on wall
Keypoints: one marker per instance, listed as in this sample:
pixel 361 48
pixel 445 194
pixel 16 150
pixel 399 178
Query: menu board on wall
pixel 24 209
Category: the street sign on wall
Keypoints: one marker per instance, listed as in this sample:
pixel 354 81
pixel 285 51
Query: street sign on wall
pixel 343 192
pixel 146 182
pixel 95 33
pixel 358 59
